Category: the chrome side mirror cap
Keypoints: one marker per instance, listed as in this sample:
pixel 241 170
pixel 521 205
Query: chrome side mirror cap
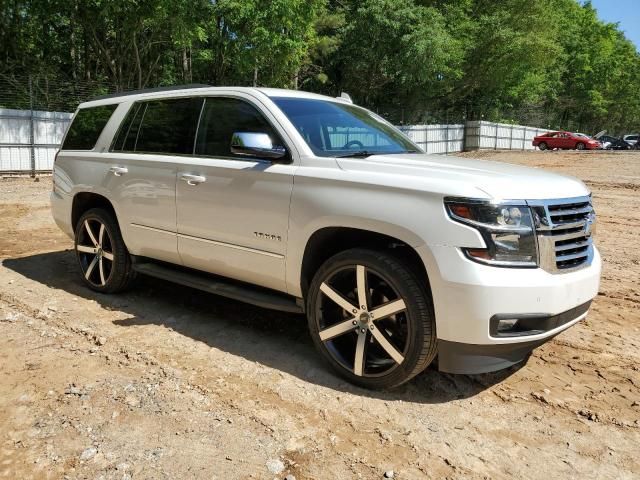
pixel 257 145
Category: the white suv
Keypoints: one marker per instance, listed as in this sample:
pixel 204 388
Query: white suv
pixel 305 203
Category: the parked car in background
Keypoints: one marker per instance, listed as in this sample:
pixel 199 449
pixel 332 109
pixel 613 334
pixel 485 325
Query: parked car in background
pixel 614 143
pixel 631 139
pixel 565 141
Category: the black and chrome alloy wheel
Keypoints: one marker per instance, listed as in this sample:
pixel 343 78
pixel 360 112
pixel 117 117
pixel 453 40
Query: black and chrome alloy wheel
pixel 95 252
pixel 371 318
pixel 103 258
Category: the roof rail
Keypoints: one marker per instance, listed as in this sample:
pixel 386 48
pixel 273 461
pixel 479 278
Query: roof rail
pixel 150 90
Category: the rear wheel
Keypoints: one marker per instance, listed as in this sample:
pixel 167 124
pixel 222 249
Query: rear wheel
pixel 104 261
pixel 543 146
pixel 371 318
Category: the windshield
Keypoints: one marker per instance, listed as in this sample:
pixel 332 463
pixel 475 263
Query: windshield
pixel 333 129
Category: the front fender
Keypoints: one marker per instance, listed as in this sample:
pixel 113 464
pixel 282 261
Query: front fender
pixel 297 247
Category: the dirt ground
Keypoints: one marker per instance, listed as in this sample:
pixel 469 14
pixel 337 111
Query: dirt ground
pixel 165 382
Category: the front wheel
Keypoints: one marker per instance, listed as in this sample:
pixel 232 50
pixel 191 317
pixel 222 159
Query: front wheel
pixel 543 146
pixel 104 261
pixel 580 146
pixel 371 318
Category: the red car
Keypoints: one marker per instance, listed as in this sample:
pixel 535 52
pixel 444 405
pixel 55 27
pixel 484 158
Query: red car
pixel 565 141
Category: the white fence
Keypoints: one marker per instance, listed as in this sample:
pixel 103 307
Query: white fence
pixel 499 136
pixel 473 135
pixel 29 140
pixel 437 138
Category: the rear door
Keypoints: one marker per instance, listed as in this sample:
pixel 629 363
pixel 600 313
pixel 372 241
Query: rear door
pixel 233 211
pixel 147 152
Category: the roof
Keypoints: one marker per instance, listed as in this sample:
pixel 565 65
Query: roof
pixel 192 90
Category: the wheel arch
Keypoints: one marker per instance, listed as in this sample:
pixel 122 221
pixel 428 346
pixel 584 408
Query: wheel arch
pixel 84 201
pixel 325 242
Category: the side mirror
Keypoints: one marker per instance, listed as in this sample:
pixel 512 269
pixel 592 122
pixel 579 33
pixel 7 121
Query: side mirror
pixel 252 144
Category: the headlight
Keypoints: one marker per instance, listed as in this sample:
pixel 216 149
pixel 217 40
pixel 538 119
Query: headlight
pixel 507 229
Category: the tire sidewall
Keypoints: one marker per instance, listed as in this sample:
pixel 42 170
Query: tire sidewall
pixel 416 309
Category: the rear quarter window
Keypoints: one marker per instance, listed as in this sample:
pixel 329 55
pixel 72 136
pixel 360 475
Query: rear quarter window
pixel 87 126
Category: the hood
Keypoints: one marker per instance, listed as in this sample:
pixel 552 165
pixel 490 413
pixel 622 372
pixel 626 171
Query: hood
pixel 459 176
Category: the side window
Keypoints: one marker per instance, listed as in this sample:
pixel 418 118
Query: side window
pixel 160 126
pixel 87 126
pixel 169 126
pixel 128 133
pixel 221 118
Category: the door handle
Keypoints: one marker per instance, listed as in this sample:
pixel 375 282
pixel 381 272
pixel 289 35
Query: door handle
pixel 118 171
pixel 193 179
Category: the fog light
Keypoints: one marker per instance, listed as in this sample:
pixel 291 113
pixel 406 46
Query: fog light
pixel 507 324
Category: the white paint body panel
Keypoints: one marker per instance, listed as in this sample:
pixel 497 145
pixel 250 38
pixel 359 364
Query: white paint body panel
pixel 211 226
pixel 237 199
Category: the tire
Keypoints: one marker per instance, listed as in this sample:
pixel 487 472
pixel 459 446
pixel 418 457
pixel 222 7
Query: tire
pixel 396 344
pixel 543 146
pixel 105 263
pixel 580 146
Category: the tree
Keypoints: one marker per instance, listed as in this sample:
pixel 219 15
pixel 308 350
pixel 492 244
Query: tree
pixel 259 42
pixel 394 55
pixel 544 62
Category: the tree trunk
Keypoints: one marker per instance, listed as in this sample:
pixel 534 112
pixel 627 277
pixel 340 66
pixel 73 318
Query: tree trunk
pixel 138 65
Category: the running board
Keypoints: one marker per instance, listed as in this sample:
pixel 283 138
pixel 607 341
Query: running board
pixel 242 292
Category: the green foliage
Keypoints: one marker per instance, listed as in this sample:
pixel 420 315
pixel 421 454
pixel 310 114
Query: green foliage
pixel 545 62
pixel 397 47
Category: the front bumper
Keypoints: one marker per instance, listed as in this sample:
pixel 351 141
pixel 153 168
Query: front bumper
pixel 454 357
pixel 467 295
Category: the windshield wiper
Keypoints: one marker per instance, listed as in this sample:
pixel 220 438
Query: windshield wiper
pixel 368 153
pixel 357 154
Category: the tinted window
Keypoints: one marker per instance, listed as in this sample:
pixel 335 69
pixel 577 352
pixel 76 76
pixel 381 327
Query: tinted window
pixel 166 126
pixel 86 127
pixel 128 133
pixel 335 129
pixel 221 118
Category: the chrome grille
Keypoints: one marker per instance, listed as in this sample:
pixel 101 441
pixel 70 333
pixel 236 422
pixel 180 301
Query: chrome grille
pixel 564 231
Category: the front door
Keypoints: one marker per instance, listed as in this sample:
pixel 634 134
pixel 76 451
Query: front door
pixel 566 141
pixel 233 211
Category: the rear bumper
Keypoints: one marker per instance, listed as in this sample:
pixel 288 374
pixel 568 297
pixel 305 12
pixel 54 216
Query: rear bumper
pixel 61 211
